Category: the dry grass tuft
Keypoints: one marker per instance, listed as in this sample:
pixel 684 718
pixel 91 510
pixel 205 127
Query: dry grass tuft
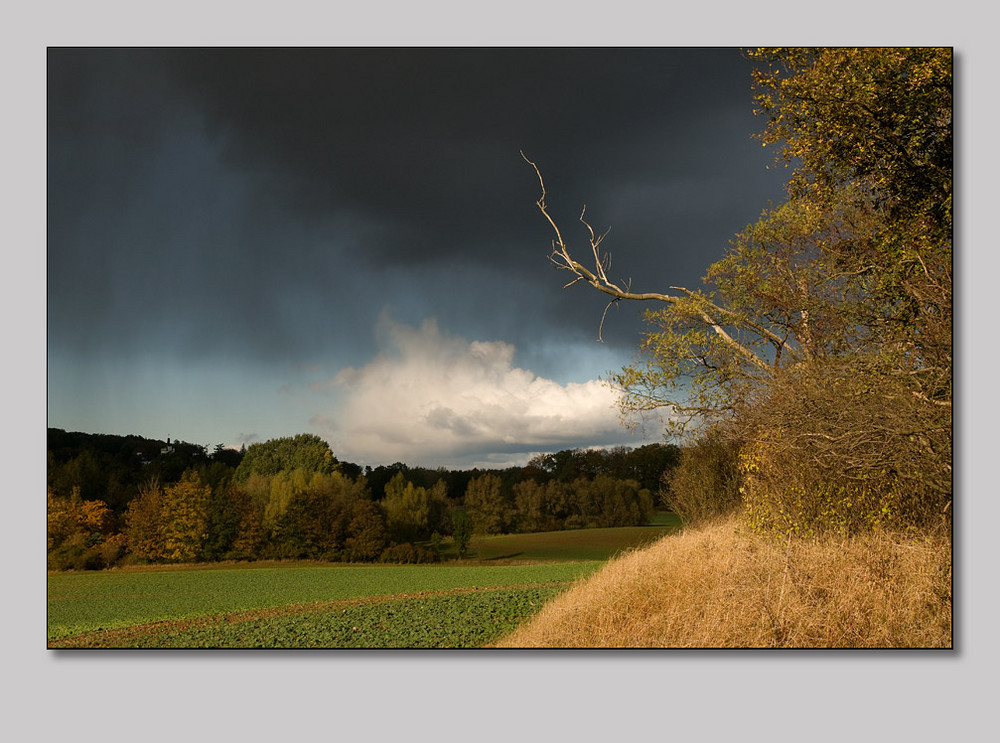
pixel 720 586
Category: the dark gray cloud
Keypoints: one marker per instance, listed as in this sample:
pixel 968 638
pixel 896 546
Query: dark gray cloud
pixel 264 206
pixel 425 142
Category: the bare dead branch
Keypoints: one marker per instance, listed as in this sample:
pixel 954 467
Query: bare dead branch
pixel 598 278
pixel 600 330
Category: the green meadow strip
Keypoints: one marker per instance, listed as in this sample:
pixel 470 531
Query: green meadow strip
pixel 460 619
pixel 87 602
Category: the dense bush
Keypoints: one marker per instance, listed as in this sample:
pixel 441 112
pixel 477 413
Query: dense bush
pixel 706 483
pixel 81 534
pixel 408 553
pixel 82 553
pixel 846 449
pixel 461 531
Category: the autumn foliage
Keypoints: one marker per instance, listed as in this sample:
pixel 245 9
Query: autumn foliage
pixel 81 533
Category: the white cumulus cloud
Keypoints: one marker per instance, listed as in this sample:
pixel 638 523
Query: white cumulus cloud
pixel 429 398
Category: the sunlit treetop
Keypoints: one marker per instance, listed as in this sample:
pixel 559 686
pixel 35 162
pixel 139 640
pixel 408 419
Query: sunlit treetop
pixel 873 115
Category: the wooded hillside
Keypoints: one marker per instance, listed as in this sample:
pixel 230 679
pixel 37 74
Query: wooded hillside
pixel 114 499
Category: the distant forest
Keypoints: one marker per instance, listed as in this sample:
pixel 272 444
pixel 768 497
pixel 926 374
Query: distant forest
pixel 118 500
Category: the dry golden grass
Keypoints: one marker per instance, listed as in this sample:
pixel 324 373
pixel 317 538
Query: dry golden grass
pixel 720 586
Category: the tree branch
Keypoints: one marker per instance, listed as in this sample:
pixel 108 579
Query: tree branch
pixel 598 279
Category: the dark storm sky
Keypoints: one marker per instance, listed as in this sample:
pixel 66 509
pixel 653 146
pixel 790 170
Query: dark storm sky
pixel 245 244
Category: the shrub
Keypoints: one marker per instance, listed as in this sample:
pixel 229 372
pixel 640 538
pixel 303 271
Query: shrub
pixel 80 553
pixel 409 554
pixel 80 534
pixel 705 485
pixel 845 448
pixel 112 549
pixel 807 503
pixel 461 532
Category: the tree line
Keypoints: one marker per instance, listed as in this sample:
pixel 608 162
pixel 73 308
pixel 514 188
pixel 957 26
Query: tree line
pixel 118 500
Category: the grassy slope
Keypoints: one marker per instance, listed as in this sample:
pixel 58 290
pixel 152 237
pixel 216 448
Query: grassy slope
pixel 719 586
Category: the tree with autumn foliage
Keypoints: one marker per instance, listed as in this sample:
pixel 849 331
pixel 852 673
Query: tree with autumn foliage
pixel 81 533
pixel 184 528
pixel 169 524
pixel 820 345
pixel 143 520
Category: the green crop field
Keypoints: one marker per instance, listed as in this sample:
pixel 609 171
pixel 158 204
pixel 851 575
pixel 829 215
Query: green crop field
pixel 136 608
pixel 318 605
